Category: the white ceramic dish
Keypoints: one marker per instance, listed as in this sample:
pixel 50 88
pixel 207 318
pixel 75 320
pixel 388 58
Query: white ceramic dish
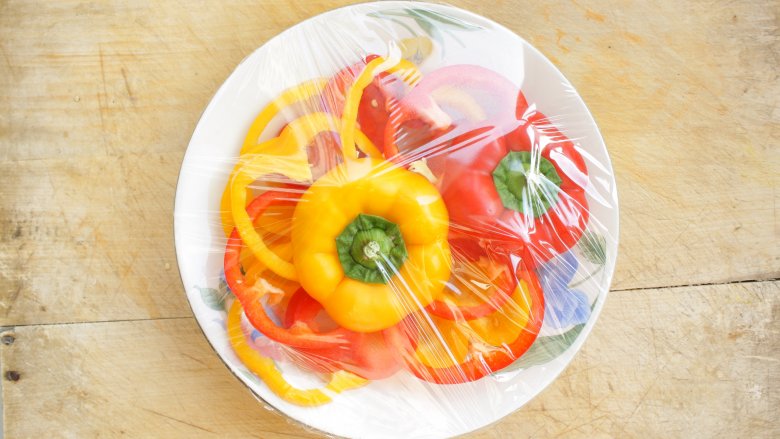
pixel 401 406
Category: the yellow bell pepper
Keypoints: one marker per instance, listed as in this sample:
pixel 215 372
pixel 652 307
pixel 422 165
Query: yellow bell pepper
pixel 265 368
pixel 370 243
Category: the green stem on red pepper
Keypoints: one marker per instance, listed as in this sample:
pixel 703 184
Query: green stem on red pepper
pixel 525 186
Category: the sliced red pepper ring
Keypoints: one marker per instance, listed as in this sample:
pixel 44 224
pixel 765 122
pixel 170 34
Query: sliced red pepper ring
pixel 266 369
pixel 251 296
pixel 377 98
pixel 494 344
pixel 367 355
pixel 480 285
pixel 457 99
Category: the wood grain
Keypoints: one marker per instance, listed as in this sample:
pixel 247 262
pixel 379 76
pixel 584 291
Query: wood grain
pixel 680 362
pixel 97 104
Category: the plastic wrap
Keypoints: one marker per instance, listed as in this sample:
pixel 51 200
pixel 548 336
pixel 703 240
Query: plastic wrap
pixel 396 219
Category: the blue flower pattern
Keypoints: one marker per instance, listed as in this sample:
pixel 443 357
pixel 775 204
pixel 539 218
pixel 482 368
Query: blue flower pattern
pixel 563 306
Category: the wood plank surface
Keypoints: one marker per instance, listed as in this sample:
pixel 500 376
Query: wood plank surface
pixel 97 104
pixel 679 362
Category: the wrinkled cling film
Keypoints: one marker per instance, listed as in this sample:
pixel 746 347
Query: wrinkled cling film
pixel 404 217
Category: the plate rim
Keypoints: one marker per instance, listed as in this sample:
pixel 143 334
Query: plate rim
pixel 579 342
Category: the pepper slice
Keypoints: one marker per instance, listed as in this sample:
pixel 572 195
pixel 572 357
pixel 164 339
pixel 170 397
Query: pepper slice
pixel 377 98
pixel 266 369
pixel 293 95
pixel 251 296
pixel 367 355
pixel 495 341
pixel 478 287
pixel 453 100
pixel 291 145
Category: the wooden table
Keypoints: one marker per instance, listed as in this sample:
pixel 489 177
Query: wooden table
pixel 97 104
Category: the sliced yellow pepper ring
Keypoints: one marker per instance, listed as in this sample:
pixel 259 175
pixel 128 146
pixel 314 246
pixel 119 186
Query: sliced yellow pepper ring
pixel 266 369
pixel 405 69
pixel 449 345
pixel 286 156
pixel 225 209
pixel 299 93
pixel 294 138
pixel 352 103
pixel 307 127
pixel 276 220
pixel 294 167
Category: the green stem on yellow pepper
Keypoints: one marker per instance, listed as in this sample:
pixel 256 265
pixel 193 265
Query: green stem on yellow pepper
pixel 367 245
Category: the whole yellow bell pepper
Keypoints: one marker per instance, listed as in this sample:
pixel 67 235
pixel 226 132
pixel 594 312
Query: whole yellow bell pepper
pixel 370 243
pixel 287 156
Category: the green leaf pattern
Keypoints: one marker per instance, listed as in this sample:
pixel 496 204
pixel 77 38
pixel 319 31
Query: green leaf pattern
pixel 214 298
pixel 546 349
pixel 594 247
pixel 432 23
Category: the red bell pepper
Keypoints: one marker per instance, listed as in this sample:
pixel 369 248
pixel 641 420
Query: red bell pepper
pixel 510 179
pixel 523 193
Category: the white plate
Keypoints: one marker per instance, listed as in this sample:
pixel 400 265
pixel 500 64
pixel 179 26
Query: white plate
pixel 401 406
